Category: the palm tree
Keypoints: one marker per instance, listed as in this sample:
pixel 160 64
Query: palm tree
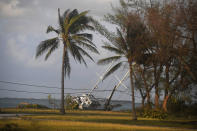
pixel 127 44
pixel 71 34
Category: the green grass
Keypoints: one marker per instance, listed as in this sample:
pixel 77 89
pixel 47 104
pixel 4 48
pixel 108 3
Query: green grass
pixel 50 120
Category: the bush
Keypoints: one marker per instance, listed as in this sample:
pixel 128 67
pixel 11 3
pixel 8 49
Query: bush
pixel 176 105
pixel 11 127
pixel 31 106
pixel 179 107
pixel 191 109
pixel 154 114
pixel 70 103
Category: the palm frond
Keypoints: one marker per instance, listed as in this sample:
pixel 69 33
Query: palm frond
pixel 103 30
pixel 73 13
pixel 78 55
pixel 112 70
pixel 61 21
pixel 121 40
pixel 84 52
pixel 81 38
pixel 67 67
pixel 86 35
pixel 82 24
pixel 50 29
pixel 74 19
pixel 66 13
pixel 74 51
pixel 52 49
pixel 108 60
pixel 113 49
pixel 82 27
pixel 45 45
pixel 88 46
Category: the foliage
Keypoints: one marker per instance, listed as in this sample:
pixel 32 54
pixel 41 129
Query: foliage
pixel 191 110
pixel 52 101
pixel 11 127
pixel 72 25
pixel 176 105
pixel 179 107
pixel 33 106
pixel 159 114
pixel 70 104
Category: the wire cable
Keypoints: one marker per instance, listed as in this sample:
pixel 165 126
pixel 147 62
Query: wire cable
pixel 45 86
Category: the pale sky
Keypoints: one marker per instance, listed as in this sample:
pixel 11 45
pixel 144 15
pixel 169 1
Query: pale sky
pixel 23 24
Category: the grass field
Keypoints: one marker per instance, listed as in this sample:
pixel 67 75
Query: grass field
pixel 50 120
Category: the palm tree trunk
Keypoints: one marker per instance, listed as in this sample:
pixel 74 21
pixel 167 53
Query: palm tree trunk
pixel 62 110
pixel 132 93
pixel 107 104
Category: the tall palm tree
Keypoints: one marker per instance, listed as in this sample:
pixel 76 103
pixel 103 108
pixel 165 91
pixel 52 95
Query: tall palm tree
pixel 128 44
pixel 71 34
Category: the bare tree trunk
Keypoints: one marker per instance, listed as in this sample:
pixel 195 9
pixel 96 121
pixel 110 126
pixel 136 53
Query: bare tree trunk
pixel 143 98
pixel 156 88
pixel 156 98
pixel 62 110
pixel 132 93
pixel 167 83
pixel 147 90
pixel 143 102
pixel 164 105
pixel 148 99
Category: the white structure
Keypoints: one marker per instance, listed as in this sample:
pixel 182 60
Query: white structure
pixel 86 101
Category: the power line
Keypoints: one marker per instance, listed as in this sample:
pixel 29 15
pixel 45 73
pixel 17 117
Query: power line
pixel 55 93
pixel 40 92
pixel 51 87
pixel 35 85
pixel 24 84
pixel 28 91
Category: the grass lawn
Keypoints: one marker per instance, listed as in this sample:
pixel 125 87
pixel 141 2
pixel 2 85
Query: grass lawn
pixel 50 120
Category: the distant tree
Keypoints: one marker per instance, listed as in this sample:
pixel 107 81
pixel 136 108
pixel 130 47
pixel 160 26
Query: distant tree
pixel 52 101
pixel 71 34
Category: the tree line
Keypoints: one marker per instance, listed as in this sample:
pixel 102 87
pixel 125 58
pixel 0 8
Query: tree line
pixel 155 40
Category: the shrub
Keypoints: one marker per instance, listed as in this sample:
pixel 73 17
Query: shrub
pixel 154 114
pixel 176 105
pixel 31 106
pixel 70 103
pixel 11 127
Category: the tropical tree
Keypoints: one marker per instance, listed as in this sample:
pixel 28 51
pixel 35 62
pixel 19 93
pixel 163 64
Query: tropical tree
pixel 71 34
pixel 127 43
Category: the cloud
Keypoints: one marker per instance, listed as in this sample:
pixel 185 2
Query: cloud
pixel 11 9
pixel 18 50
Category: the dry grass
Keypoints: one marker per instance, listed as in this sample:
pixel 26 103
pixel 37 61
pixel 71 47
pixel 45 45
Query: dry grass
pixel 50 120
pixel 54 125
